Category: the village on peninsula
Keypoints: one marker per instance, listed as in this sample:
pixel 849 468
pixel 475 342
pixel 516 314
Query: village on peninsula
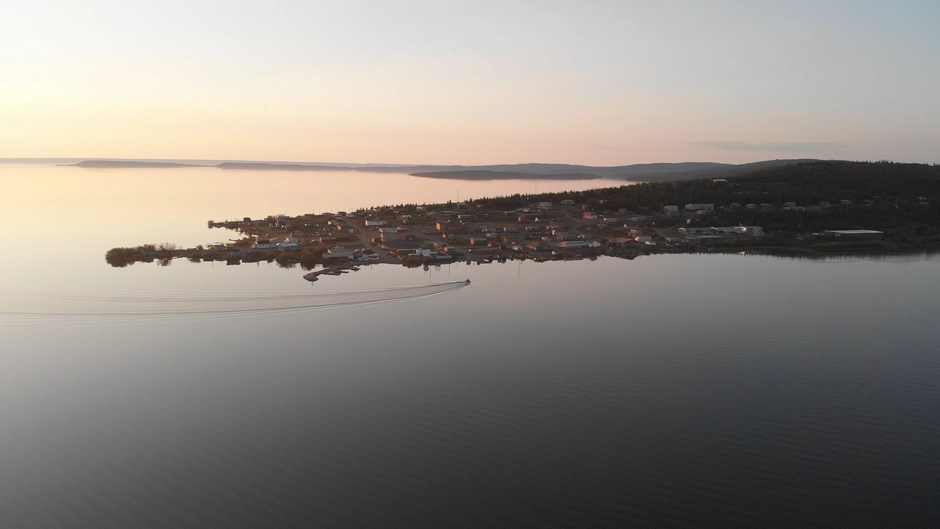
pixel 749 213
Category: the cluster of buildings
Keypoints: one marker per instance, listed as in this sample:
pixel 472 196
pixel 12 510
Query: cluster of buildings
pixel 461 230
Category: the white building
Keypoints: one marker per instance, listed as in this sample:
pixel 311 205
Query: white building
pixel 264 244
pixel 374 222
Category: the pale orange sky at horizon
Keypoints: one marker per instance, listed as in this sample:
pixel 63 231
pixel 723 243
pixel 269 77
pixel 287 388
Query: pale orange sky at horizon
pixel 599 84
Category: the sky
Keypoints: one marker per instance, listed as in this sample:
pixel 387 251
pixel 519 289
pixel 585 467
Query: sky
pixel 476 82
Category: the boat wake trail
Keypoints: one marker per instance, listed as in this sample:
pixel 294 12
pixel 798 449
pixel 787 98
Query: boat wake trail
pixel 29 304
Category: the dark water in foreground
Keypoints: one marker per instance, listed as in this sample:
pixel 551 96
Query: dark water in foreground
pixel 670 391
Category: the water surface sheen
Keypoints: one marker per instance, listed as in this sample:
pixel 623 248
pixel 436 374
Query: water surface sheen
pixel 668 391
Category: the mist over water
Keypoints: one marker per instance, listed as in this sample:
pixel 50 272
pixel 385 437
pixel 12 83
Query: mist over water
pixel 667 391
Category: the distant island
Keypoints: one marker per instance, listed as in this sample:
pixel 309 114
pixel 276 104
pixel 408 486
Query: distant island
pixel 653 172
pixel 130 164
pixel 807 209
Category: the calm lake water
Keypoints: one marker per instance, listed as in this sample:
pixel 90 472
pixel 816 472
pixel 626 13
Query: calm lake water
pixel 667 391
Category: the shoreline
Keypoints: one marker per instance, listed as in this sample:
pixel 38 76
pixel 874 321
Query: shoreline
pixel 814 210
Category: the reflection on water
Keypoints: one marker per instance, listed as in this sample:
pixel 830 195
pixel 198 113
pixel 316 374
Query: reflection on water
pixel 671 390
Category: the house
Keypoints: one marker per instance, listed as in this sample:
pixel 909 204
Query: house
pixel 403 246
pixel 671 211
pixel 621 241
pixel 697 231
pixel 476 240
pixel 264 244
pixel 287 246
pixel 572 244
pixel 643 238
pixel 567 202
pixel 700 207
pixel 375 222
pixel 386 233
pixel 537 247
pixel 544 205
pixel 338 252
pixel 588 215
pixel 449 226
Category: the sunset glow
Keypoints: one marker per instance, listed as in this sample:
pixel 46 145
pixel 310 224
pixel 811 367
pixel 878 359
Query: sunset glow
pixel 604 83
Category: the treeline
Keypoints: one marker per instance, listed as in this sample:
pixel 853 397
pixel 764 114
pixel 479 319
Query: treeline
pixel 903 200
pixel 307 258
pixel 805 184
pixel 121 257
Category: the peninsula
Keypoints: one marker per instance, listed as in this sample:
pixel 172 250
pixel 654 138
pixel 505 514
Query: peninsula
pixel 809 209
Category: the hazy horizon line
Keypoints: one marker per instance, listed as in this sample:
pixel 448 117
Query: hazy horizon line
pixel 211 161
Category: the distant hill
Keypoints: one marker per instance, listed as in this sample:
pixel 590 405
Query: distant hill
pixel 649 172
pixel 130 164
pixel 504 175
